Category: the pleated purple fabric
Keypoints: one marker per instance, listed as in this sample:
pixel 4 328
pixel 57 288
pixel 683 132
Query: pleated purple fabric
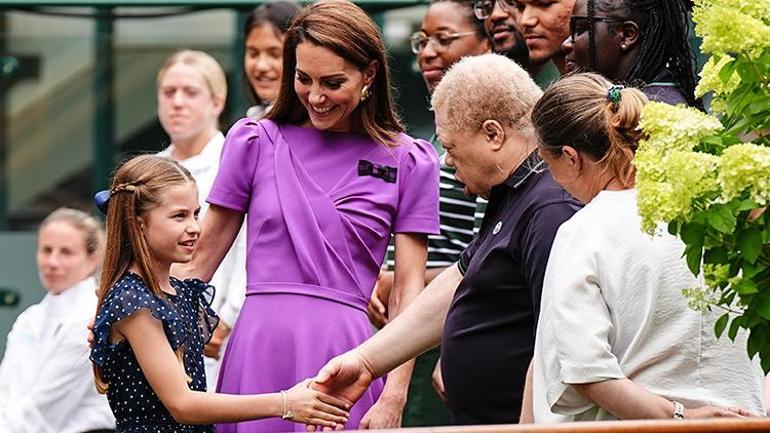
pixel 317 231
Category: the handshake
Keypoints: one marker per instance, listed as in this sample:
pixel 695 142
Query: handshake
pixel 324 402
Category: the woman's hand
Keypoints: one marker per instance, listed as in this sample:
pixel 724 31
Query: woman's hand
pixel 717 412
pixel 308 406
pixel 378 304
pixel 213 348
pixel 385 413
pixel 438 383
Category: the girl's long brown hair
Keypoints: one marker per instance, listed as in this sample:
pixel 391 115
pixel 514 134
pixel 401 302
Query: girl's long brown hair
pixel 137 187
pixel 349 32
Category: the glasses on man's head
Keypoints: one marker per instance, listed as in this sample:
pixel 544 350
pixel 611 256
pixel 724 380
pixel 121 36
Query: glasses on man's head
pixel 483 8
pixel 578 24
pixel 441 40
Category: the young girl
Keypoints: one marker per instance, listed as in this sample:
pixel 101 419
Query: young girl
pixel 150 327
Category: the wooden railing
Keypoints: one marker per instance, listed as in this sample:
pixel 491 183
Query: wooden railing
pixel 760 425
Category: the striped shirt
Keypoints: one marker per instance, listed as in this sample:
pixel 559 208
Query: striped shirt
pixel 457 219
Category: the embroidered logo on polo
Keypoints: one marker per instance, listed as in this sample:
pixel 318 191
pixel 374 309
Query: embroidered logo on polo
pixel 497 228
pixel 384 172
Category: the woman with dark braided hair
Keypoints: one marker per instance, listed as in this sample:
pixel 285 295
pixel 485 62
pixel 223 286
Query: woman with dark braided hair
pixel 642 43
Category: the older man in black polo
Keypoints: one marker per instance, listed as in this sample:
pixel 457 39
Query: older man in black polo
pixel 484 309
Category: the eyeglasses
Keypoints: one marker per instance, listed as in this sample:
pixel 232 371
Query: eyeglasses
pixel 441 40
pixel 578 24
pixel 483 8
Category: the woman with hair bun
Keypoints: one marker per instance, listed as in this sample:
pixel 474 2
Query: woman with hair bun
pixel 616 338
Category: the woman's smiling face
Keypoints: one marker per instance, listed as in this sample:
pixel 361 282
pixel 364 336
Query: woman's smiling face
pixel 329 86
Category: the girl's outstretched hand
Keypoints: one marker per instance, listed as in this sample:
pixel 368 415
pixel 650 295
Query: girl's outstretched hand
pixel 308 406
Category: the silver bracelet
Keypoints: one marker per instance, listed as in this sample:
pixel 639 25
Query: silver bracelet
pixel 678 410
pixel 286 409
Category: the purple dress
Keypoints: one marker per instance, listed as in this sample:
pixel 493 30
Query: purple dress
pixel 320 209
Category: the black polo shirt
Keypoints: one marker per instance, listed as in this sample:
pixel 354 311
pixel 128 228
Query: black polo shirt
pixel 489 334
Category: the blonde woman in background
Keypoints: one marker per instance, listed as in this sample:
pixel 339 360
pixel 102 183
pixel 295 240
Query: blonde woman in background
pixel 192 90
pixel 45 376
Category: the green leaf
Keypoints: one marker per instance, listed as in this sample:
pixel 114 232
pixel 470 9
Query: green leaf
pixel 727 299
pixel 750 243
pixel 746 72
pixel 721 218
pixel 715 256
pixel 745 205
pixel 721 324
pixel 693 234
pixel 727 71
pixel 756 342
pixel 761 305
pixel 750 270
pixel 673 228
pixel 735 325
pixel 693 254
pixel 745 286
pixel 764 358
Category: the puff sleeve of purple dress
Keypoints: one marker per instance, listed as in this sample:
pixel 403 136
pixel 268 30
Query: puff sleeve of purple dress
pixel 320 208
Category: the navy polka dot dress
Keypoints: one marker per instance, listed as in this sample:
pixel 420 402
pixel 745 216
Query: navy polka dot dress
pixel 187 321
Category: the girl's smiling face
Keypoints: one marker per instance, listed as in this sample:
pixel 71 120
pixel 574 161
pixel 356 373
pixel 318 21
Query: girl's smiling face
pixel 171 228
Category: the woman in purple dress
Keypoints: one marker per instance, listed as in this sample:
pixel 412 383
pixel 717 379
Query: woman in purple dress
pixel 324 180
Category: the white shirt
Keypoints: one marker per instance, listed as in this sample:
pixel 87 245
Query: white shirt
pixel 613 307
pixel 230 278
pixel 46 380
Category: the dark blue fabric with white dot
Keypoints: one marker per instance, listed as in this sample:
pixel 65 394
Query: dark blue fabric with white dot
pixel 188 322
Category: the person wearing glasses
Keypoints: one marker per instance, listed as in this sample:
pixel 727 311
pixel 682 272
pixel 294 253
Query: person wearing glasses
pixel 502 28
pixel 642 44
pixel 449 32
pixel 483 310
pixel 616 338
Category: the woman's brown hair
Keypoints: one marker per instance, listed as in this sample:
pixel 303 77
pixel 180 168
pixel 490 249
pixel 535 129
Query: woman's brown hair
pixel 349 32
pixel 137 187
pixel 576 111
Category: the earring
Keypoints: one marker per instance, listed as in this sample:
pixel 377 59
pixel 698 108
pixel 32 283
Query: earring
pixel 365 93
pixel 623 46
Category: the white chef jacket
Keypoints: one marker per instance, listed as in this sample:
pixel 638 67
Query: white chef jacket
pixel 46 379
pixel 230 278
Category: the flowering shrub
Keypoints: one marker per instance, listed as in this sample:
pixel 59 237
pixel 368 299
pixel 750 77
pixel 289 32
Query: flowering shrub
pixel 708 178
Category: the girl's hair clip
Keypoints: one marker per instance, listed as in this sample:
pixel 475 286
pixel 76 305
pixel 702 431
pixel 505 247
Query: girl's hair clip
pixel 613 95
pixel 101 200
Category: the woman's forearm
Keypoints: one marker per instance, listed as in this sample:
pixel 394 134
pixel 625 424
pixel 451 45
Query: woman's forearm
pixel 527 415
pixel 219 229
pixel 626 400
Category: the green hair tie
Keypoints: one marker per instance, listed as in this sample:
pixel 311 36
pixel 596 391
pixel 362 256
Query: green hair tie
pixel 613 94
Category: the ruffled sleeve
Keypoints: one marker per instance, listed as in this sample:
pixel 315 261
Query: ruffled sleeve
pixel 418 191
pixel 201 296
pixel 128 296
